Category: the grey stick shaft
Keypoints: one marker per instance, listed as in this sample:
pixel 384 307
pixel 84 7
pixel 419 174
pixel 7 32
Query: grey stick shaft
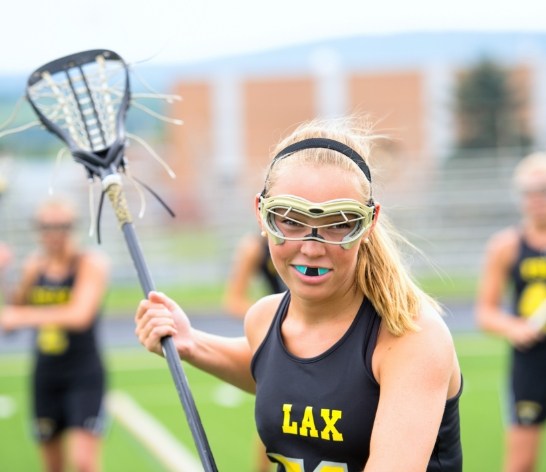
pixel 117 197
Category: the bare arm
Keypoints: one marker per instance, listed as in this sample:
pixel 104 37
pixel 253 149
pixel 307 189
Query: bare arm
pixel 6 257
pixel 28 277
pixel 77 314
pixel 417 373
pixel 226 358
pixel 500 254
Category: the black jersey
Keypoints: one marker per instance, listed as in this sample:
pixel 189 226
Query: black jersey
pixel 527 381
pixel 529 279
pixel 62 352
pixel 267 269
pixel 317 414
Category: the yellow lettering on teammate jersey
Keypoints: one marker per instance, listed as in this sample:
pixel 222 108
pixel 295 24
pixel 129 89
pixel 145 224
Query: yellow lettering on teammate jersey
pixel 308 423
pixel 52 340
pixel 49 295
pixel 296 465
pixel 533 268
pixel 531 297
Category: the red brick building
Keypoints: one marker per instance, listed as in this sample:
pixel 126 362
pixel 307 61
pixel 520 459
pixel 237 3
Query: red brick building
pixel 231 122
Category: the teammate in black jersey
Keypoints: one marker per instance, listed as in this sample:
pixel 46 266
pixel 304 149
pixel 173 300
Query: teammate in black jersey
pixel 353 367
pixel 516 257
pixel 60 295
pixel 252 261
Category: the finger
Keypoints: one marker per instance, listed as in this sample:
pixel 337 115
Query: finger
pixel 152 339
pixel 156 315
pixel 142 307
pixel 151 332
pixel 160 297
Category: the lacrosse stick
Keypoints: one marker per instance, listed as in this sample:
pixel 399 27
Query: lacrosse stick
pixel 83 99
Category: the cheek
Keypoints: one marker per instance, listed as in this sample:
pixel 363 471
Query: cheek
pixel 350 260
pixel 534 205
pixel 280 252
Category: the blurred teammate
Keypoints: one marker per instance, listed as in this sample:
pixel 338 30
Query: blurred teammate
pixel 516 258
pixel 60 295
pixel 252 261
pixel 6 256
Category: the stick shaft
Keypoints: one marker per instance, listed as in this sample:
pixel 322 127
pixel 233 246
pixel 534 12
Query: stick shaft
pixel 137 256
pixel 117 197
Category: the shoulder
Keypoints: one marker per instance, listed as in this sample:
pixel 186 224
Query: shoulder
pixel 432 325
pixel 431 347
pixel 249 249
pixel 433 330
pixel 506 240
pixel 31 269
pixel 259 318
pixel 33 263
pixel 503 246
pixel 251 244
pixel 93 259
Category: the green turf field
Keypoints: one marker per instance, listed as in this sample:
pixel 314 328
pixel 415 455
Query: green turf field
pixel 227 413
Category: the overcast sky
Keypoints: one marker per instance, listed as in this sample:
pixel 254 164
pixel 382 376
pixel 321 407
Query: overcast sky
pixel 33 32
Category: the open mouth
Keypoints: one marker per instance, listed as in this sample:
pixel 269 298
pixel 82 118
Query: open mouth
pixel 311 271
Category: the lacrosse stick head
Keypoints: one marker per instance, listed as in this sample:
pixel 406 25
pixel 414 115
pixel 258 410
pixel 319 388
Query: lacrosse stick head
pixel 83 99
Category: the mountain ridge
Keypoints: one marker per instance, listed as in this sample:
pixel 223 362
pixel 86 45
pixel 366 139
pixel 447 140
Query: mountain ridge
pixel 368 52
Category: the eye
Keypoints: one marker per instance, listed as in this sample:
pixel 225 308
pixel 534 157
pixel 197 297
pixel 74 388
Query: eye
pixel 287 218
pixel 342 225
pixel 290 222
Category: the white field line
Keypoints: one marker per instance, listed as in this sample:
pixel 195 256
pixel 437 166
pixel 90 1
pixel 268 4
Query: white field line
pixel 152 434
pixel 9 369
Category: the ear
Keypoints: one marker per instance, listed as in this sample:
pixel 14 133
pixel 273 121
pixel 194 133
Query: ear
pixel 375 218
pixel 257 210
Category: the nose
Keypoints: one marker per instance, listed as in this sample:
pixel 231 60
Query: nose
pixel 314 234
pixel 312 247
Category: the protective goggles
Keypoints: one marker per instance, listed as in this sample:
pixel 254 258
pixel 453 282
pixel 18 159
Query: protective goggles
pixel 290 218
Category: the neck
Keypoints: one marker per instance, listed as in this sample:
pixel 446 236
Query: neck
pixel 61 255
pixel 316 311
pixel 535 227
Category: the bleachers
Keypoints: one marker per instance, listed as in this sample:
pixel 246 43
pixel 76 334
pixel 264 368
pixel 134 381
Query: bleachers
pixel 448 211
pixel 460 204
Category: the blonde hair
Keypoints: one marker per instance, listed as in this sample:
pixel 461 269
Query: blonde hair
pixel 57 203
pixel 380 273
pixel 532 163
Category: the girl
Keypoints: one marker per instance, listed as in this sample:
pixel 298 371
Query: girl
pixel 515 258
pixel 59 295
pixel 353 367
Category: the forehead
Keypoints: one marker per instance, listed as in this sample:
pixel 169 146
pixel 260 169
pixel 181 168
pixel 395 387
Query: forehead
pixel 532 179
pixel 316 183
pixel 55 213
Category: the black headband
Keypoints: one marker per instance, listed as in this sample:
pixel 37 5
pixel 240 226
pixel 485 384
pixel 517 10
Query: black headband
pixel 325 143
